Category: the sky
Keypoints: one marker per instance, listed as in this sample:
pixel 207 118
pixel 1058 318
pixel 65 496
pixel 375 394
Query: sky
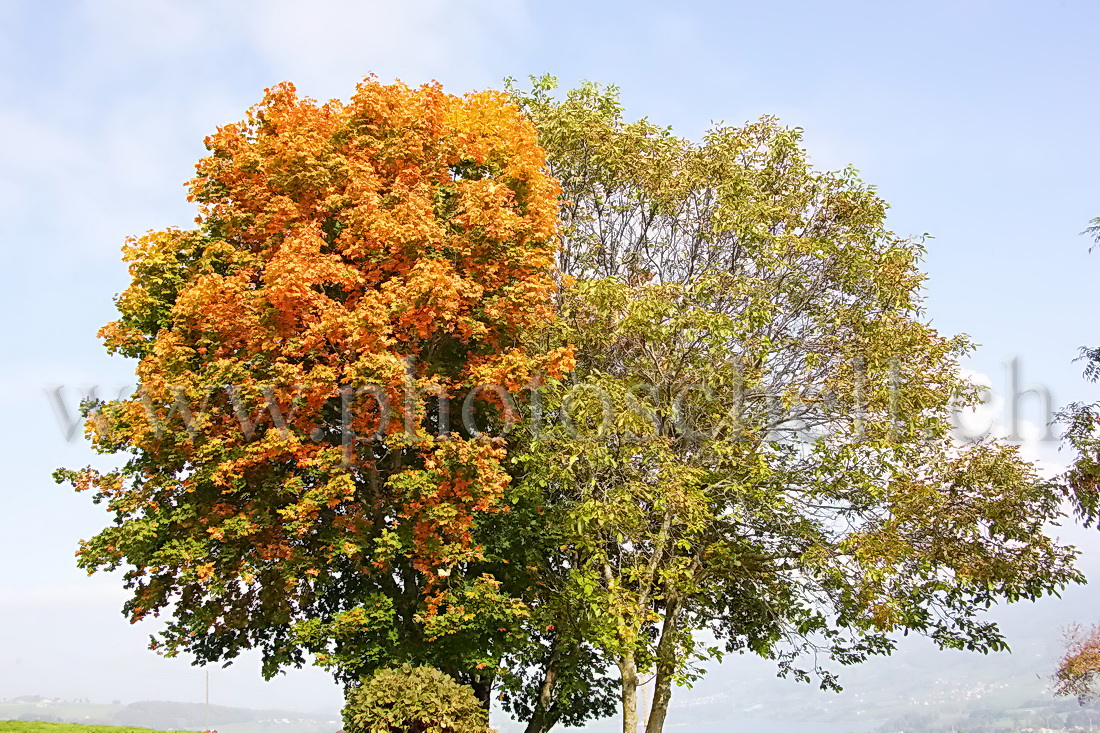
pixel 975 119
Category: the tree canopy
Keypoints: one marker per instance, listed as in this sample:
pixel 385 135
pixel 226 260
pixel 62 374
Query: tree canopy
pixel 509 386
pixel 756 440
pixel 293 482
pixel 1079 668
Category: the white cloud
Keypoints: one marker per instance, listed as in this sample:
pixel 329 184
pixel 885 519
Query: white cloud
pixel 1038 443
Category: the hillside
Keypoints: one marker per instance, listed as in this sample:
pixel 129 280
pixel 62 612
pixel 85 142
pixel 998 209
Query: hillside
pixel 160 715
pixel 22 726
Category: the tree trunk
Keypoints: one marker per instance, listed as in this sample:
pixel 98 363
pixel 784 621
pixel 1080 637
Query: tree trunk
pixel 628 670
pixel 666 667
pixel 544 718
pixel 483 690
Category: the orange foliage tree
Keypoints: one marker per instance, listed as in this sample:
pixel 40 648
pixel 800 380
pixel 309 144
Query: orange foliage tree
pixel 294 478
pixel 1080 664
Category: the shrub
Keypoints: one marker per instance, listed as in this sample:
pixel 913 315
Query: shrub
pixel 413 700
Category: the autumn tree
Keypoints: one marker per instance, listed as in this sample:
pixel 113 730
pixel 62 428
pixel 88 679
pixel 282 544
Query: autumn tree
pixel 756 440
pixel 1079 666
pixel 295 479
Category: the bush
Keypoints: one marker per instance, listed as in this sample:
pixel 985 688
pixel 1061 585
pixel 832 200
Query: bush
pixel 413 700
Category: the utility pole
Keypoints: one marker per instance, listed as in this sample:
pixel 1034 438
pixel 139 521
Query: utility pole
pixel 207 700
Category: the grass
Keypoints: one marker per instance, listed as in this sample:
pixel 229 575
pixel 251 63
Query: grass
pixel 29 726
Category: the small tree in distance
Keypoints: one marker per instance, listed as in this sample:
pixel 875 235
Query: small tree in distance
pixel 1079 667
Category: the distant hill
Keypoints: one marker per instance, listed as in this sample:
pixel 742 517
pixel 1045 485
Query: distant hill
pixel 163 715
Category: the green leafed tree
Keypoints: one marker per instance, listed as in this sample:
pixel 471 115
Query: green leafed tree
pixel 756 443
pixel 1079 668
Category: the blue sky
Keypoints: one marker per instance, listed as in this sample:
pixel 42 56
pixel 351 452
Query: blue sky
pixel 976 119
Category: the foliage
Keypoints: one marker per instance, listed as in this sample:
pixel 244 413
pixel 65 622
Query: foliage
pixel 558 676
pixel 1093 230
pixel 756 438
pixel 1077 671
pixel 413 700
pixel 391 252
pixel 754 442
pixel 1079 667
pixel 1081 420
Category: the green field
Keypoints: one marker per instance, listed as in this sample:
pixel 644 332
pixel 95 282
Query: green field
pixel 27 726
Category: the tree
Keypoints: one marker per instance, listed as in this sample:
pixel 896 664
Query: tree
pixel 1080 664
pixel 293 481
pixel 1079 667
pixel 1093 229
pixel 756 440
pixel 559 676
